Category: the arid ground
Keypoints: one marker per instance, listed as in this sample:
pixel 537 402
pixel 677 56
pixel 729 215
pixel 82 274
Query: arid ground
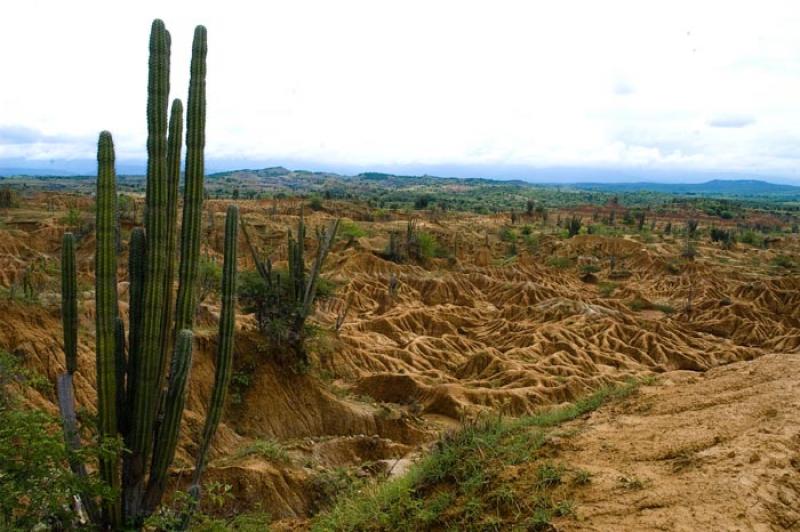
pixel 503 320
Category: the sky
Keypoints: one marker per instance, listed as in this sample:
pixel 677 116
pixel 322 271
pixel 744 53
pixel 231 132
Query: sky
pixel 496 88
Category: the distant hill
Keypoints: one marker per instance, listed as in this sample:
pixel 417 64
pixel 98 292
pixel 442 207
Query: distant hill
pixel 716 187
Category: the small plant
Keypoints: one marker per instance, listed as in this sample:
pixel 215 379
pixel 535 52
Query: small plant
pixel 630 483
pixel 606 289
pixel 783 262
pixel 560 263
pixel 582 477
pixel 209 278
pixel 574 226
pixel 587 272
pixel 691 227
pixel 269 450
pixel 315 204
pixel 549 475
pixel 508 235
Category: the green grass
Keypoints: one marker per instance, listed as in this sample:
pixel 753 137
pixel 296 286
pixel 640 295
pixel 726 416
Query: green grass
pixel 606 288
pixel 460 485
pixel 560 263
pixel 266 449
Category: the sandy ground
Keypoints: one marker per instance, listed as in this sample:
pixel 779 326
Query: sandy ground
pixel 700 451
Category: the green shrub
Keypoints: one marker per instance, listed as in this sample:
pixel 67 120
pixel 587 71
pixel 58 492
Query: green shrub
pixel 560 263
pixel 266 449
pixel 427 243
pixel 315 204
pixel 783 261
pixel 349 230
pixel 606 289
pixel 37 487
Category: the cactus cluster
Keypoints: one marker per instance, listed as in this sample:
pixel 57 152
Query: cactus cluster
pixel 141 382
pixel 283 305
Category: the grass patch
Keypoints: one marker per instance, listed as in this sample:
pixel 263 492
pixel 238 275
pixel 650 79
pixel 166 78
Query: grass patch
pixel 267 449
pixel 638 304
pixel 606 288
pixel 559 263
pixel 462 484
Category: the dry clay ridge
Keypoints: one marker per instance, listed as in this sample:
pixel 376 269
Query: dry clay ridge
pixel 479 332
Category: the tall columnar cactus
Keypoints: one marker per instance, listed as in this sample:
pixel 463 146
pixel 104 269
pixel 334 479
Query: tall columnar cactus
pixel 144 397
pixel 136 401
pixel 224 359
pixel 105 263
pixel 193 185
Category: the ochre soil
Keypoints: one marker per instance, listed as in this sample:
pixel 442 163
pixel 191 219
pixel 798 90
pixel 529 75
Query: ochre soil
pixel 718 450
pixel 473 333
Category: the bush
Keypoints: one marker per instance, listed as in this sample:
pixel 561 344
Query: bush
pixel 560 263
pixel 349 230
pixel 606 289
pixel 508 235
pixel 209 278
pixel 37 486
pixel 315 204
pixel 266 449
pixel 428 246
pixel 782 261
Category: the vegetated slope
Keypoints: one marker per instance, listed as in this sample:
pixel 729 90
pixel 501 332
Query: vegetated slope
pixel 712 451
pixel 473 329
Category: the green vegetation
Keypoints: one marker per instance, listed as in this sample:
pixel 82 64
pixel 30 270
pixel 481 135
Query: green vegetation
pixel 349 230
pixel 607 288
pixel 638 304
pixel 282 303
pixel 461 484
pixel 36 486
pixel 266 449
pixel 136 404
pixel 560 263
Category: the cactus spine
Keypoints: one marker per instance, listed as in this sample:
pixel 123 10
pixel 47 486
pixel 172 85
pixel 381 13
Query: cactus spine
pixel 133 400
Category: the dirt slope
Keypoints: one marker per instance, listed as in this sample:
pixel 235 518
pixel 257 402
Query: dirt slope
pixel 469 332
pixel 702 451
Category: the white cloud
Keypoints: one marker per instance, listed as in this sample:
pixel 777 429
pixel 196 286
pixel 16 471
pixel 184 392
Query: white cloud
pixel 446 82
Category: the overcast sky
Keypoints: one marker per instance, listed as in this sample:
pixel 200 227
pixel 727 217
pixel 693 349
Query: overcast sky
pixel 654 85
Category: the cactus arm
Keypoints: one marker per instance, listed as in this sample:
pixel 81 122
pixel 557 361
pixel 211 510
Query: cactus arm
pixel 224 359
pixel 137 252
pixel 262 270
pixel 325 242
pixel 193 185
pixel 106 313
pixel 166 438
pixel 174 143
pixel 145 391
pixel 121 365
pixel 69 302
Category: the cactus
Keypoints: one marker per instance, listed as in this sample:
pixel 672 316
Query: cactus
pixel 224 359
pixel 106 313
pixel 135 399
pixel 69 302
pixel 292 303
